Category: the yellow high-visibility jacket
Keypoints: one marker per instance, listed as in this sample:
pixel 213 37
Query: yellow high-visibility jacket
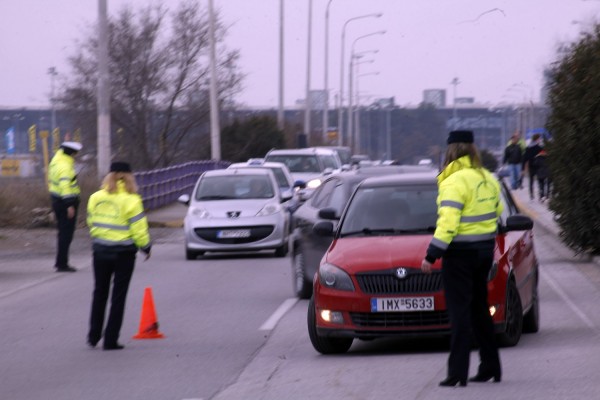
pixel 62 178
pixel 117 220
pixel 468 207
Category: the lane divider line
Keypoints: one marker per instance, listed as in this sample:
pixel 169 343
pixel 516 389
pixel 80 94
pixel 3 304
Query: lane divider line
pixel 278 314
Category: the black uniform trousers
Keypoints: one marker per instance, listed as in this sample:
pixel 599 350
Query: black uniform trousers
pixel 106 266
pixel 464 273
pixel 66 229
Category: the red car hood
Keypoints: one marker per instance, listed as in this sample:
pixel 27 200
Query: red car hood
pixel 378 252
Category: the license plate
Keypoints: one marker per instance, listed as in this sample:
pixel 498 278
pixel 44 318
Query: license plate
pixel 233 234
pixel 398 304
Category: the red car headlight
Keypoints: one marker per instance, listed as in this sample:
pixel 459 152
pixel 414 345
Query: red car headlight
pixel 334 277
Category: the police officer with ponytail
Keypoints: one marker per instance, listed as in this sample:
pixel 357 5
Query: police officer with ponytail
pixel 468 209
pixel 119 228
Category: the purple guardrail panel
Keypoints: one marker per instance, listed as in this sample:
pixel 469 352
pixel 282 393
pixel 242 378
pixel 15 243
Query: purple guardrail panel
pixel 161 187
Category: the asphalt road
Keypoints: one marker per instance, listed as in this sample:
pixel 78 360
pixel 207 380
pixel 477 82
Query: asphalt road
pixel 229 336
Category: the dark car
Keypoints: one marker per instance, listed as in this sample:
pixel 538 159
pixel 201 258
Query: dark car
pixel 307 247
pixel 369 283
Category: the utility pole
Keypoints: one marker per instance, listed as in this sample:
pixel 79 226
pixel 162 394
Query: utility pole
pixel 215 129
pixel 280 111
pixel 52 72
pixel 454 82
pixel 103 92
pixel 307 105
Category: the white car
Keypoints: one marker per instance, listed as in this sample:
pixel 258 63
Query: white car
pixel 237 209
pixel 310 165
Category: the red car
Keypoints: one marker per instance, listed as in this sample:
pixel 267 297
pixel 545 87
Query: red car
pixel 369 283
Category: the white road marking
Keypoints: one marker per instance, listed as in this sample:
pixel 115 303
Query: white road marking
pixel 570 303
pixel 276 316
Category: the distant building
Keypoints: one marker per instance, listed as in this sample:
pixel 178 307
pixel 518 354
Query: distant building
pixel 435 97
pixel 465 100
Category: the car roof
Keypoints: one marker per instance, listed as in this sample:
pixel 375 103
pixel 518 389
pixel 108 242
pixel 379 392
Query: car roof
pixel 305 151
pixel 410 178
pixel 265 164
pixel 360 174
pixel 238 171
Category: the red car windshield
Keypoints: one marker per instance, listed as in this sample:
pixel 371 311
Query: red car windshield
pixel 391 210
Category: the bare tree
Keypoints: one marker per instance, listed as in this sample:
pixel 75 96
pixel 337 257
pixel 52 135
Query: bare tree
pixel 159 82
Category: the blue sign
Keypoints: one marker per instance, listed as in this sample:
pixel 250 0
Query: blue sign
pixel 10 141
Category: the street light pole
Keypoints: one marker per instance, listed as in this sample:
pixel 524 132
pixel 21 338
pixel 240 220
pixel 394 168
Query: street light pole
pixel 307 105
pixel 454 82
pixel 103 157
pixel 52 72
pixel 356 146
pixel 215 130
pixel 280 111
pixel 326 76
pixel 341 103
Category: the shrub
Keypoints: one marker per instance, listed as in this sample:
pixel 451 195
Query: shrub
pixel 574 152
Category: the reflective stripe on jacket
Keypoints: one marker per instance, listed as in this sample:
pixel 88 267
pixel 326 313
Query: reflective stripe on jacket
pixel 62 179
pixel 468 206
pixel 117 219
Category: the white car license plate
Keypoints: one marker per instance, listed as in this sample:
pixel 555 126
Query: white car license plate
pixel 391 304
pixel 233 234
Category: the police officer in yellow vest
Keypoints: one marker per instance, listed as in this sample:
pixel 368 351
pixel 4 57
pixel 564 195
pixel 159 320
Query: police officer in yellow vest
pixel 64 192
pixel 119 228
pixel 468 209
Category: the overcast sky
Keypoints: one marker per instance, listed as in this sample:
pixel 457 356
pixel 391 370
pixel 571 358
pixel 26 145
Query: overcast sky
pixel 496 48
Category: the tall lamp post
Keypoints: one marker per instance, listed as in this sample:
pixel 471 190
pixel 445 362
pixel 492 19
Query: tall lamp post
pixel 350 83
pixel 341 102
pixel 52 72
pixel 215 130
pixel 358 133
pixel 455 83
pixel 307 105
pixel 280 113
pixel 326 75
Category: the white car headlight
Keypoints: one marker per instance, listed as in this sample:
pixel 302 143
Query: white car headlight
pixel 199 213
pixel 269 209
pixel 334 277
pixel 313 184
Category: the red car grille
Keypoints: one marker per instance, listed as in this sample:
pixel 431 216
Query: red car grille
pixel 386 282
pixel 400 319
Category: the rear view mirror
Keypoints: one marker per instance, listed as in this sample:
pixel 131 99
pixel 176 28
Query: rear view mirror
pixel 184 199
pixel 323 228
pixel 328 213
pixel 517 222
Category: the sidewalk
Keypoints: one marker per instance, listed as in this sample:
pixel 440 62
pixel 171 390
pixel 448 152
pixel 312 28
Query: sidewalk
pixel 170 216
pixel 543 217
pixel 537 210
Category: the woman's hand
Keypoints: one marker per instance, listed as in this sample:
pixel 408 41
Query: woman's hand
pixel 426 266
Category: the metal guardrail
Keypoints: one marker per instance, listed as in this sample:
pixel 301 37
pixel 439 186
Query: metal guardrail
pixel 161 187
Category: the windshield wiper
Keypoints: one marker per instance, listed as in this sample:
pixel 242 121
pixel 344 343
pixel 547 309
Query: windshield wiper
pixel 215 197
pixel 427 229
pixel 369 231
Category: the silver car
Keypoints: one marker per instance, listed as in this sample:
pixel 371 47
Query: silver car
pixel 236 210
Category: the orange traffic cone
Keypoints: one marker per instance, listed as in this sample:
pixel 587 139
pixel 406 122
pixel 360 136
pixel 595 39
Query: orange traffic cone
pixel 148 322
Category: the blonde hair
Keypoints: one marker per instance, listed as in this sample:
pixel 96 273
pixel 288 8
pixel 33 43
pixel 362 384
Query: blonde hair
pixel 455 151
pixel 110 182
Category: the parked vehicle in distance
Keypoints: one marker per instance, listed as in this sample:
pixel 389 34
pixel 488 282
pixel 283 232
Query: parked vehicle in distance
pixel 285 181
pixel 343 152
pixel 369 283
pixel 307 247
pixel 236 209
pixel 309 165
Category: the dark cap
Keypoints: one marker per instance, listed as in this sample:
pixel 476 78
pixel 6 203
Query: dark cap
pixel 120 166
pixel 460 137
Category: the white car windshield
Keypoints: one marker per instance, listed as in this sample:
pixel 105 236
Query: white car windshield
pixel 297 163
pixel 234 187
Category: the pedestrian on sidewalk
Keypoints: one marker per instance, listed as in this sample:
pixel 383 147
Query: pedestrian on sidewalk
pixel 468 209
pixel 540 161
pixel 513 158
pixel 531 151
pixel 119 229
pixel 64 194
